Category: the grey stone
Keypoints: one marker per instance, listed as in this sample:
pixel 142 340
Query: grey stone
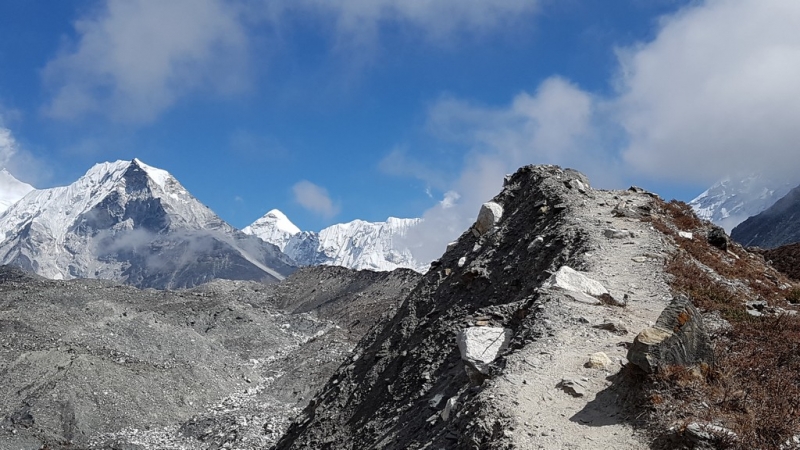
pixel 707 434
pixel 613 233
pixel 613 327
pixel 678 337
pixel 449 407
pixel 572 387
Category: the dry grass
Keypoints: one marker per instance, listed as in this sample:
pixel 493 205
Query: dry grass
pixel 754 387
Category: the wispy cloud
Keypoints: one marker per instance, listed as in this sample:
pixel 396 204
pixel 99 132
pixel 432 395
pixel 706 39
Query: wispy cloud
pixel 315 199
pixel 133 59
pixel 555 124
pixel 20 162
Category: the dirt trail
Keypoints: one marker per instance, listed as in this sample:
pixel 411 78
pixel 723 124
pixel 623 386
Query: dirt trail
pixel 545 416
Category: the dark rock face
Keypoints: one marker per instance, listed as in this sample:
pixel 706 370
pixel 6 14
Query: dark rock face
pixel 678 338
pixel 84 362
pixel 785 258
pixel 718 238
pixel 381 396
pixel 776 226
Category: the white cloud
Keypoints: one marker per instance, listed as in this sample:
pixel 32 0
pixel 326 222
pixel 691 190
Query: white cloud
pixel 554 125
pixel 19 162
pixel 315 199
pixel 399 163
pixel 437 19
pixel 135 58
pixel 716 92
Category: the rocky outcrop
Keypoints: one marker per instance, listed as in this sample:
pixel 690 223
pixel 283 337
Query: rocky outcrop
pixel 678 338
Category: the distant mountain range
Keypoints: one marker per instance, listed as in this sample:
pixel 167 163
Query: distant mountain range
pixel 134 223
pixel 732 200
pixel 358 244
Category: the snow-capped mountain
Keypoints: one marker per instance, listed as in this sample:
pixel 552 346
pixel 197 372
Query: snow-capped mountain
pixel 358 244
pixel 131 222
pixel 730 201
pixel 11 190
pixel 274 228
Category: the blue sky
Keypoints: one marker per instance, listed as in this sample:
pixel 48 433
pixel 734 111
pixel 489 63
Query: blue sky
pixel 332 110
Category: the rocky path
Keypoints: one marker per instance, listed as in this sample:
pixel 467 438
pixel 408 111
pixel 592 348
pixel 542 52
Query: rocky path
pixel 626 256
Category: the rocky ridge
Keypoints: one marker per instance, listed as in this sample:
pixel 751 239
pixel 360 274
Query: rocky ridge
pixel 407 385
pixel 519 336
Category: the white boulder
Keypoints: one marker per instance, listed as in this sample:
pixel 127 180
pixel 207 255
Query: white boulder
pixel 577 285
pixel 488 217
pixel 480 346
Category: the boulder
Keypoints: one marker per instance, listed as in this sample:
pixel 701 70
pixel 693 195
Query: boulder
pixel 576 285
pixel 718 238
pixel 480 346
pixel 678 338
pixel 488 217
pixel 598 360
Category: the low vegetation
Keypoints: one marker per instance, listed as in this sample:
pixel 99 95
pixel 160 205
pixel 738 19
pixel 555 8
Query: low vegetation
pixel 753 389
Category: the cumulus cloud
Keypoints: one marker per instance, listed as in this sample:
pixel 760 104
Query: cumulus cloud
pixel 134 58
pixel 555 124
pixel 315 199
pixel 715 92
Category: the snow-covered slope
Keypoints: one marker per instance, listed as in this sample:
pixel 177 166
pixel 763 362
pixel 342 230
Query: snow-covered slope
pixel 730 201
pixel 11 190
pixel 131 222
pixel 358 244
pixel 274 228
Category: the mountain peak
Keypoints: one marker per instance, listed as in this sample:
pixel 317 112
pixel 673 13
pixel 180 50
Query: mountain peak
pixel 733 199
pixel 273 227
pixel 129 221
pixel 159 176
